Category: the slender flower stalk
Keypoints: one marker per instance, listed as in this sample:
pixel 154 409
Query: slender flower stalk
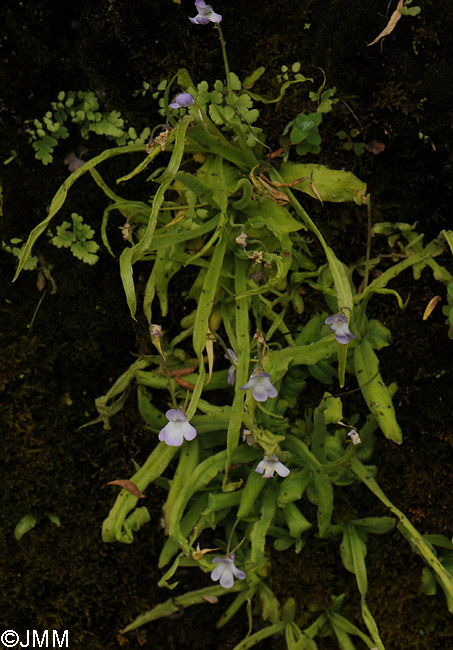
pixel 247 152
pixel 156 338
pixel 226 64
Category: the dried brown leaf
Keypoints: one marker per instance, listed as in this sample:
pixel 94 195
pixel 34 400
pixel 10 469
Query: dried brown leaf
pixel 315 191
pixel 40 281
pixel 184 384
pixel 394 18
pixel 181 372
pixel 375 147
pixel 129 486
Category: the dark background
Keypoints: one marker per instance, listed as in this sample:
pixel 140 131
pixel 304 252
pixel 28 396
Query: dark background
pixel 82 337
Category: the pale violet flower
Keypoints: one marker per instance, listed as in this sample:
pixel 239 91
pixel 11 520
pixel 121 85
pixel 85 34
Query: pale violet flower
pixel 261 386
pixel 181 100
pixel 231 356
pixel 226 571
pixel 339 325
pixel 205 14
pixel 354 437
pixel 177 429
pixel 271 465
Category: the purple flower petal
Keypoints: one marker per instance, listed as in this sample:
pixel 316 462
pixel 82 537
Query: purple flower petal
pixel 177 429
pixel 181 100
pixel 261 386
pixel 225 571
pixel 175 415
pixel 338 324
pixel 205 15
pixel 189 432
pixel 238 573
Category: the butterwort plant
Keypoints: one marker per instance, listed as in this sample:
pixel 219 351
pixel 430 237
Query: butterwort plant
pixel 223 212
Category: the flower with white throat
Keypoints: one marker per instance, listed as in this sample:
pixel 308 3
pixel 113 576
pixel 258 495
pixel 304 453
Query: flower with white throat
pixel 226 571
pixel 355 438
pixel 271 465
pixel 261 386
pixel 177 429
pixel 338 324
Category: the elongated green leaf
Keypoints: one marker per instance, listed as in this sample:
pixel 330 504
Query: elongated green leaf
pixel 264 633
pixel 371 625
pixel 341 281
pixel 173 605
pixel 60 197
pixel 168 236
pixel 207 298
pixel 131 255
pixel 201 476
pixel 113 529
pixel 242 350
pixel 343 624
pixel 127 277
pixel 261 527
pixel 409 531
pixel 358 552
pixel 165 179
pixel 329 184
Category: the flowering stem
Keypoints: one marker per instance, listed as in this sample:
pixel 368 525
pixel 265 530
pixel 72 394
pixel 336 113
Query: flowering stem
pixel 171 387
pixel 368 247
pixel 230 538
pixel 245 149
pixel 225 63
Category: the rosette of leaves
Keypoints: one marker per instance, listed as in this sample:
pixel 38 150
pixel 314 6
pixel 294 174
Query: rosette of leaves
pixel 226 111
pixel 77 236
pixel 349 143
pixel 304 132
pixel 325 98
